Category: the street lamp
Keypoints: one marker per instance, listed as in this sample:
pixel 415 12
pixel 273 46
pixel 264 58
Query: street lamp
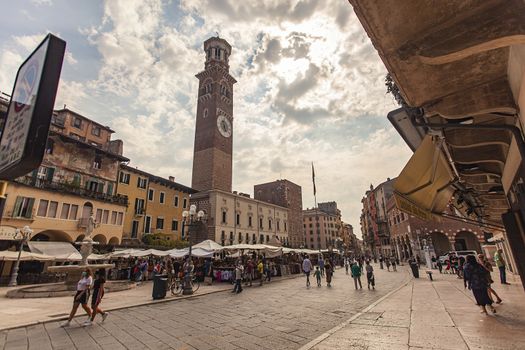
pixel 190 219
pixel 24 234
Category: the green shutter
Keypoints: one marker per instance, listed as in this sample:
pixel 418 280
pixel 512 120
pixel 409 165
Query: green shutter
pixel 49 173
pixel 30 205
pixel 18 204
pixel 110 188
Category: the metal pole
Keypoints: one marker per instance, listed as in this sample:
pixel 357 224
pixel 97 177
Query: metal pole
pixel 14 275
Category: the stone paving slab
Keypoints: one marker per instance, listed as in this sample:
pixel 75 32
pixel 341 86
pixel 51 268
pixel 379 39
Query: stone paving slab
pixel 434 315
pixel 282 315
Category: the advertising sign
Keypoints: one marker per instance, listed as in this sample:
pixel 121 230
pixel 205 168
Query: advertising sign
pixel 24 137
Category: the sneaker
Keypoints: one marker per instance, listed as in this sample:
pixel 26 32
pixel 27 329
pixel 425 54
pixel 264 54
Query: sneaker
pixel 87 323
pixel 65 324
pixel 104 316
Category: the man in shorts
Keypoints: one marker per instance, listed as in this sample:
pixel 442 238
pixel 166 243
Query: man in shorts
pixel 307 267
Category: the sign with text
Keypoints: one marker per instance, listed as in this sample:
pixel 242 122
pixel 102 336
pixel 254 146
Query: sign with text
pixel 7 233
pixel 23 140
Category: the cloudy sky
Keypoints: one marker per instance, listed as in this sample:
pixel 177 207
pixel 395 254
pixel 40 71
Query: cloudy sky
pixel 310 86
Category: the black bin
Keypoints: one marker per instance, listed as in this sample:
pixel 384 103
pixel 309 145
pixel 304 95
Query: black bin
pixel 160 285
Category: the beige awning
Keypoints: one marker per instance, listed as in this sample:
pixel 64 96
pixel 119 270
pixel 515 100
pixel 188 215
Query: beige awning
pixel 424 185
pixel 7 255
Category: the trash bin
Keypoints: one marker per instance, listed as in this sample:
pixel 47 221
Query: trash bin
pixel 415 269
pixel 160 284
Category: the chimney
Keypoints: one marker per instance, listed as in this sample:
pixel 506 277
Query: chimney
pixel 172 178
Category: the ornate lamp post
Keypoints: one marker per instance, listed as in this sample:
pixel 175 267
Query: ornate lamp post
pixel 24 235
pixel 190 218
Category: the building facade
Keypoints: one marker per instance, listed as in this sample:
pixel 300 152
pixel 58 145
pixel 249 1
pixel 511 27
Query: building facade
pixel 155 204
pixel 77 178
pixel 234 218
pixel 410 234
pixel 320 229
pixel 286 194
pixel 374 223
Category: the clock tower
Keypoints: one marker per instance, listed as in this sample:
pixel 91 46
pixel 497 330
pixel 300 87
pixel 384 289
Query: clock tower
pixel 212 155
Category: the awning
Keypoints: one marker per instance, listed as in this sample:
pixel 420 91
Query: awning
pixel 7 255
pixel 424 185
pixel 60 250
pixel 209 245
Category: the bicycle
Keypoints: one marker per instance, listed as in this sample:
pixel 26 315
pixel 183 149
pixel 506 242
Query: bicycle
pixel 177 286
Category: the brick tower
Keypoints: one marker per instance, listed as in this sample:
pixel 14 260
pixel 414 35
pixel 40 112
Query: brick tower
pixel 212 155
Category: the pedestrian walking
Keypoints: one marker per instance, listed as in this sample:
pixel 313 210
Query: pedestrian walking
pixel 317 274
pixel 393 263
pixel 307 267
pixel 260 270
pixel 439 266
pixel 488 266
pixel 381 261
pixel 476 276
pixel 98 293
pixel 249 272
pixel 418 260
pixel 268 271
pixel 239 269
pixel 347 264
pixel 321 265
pixel 81 296
pixel 387 262
pixel 356 275
pixel 329 272
pixel 370 279
pixel 502 265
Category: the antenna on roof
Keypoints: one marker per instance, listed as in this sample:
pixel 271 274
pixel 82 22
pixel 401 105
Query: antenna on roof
pixel 217 34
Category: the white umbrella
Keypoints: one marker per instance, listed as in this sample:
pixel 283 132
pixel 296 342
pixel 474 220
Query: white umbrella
pixel 209 245
pixel 7 255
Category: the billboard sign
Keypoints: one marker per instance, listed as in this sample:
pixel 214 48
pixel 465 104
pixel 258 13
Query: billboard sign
pixel 23 140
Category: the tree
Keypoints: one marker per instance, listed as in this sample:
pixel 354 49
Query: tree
pixel 159 240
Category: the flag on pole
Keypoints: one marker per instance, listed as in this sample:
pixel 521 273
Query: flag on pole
pixel 313 177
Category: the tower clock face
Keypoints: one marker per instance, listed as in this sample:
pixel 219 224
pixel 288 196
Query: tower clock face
pixel 224 126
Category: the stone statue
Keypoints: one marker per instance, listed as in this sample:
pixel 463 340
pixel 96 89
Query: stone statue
pixel 91 224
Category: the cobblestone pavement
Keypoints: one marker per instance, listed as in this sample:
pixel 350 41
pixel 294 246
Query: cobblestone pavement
pixel 282 315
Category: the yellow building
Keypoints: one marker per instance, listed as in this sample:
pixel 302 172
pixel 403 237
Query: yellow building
pixel 61 216
pixel 155 204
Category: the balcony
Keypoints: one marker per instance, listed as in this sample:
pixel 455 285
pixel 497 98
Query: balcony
pixel 69 188
pixel 140 211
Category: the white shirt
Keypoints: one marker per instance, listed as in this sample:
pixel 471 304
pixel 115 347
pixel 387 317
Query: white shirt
pixel 307 265
pixel 84 283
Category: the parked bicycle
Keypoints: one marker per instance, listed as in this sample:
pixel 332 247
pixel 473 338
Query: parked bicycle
pixel 177 286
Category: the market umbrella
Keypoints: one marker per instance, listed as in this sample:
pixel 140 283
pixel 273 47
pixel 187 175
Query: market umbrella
pixel 7 255
pixel 209 245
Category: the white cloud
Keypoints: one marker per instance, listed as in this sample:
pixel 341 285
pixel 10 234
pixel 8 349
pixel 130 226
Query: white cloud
pixel 42 2
pixel 310 88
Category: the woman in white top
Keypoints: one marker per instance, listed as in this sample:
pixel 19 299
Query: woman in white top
pixel 81 296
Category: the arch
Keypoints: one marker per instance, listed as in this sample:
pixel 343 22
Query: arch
pixel 100 238
pixel 465 240
pixel 80 238
pixel 440 242
pixel 52 236
pixel 113 240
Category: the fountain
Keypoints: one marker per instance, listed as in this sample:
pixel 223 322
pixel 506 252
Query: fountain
pixel 73 273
